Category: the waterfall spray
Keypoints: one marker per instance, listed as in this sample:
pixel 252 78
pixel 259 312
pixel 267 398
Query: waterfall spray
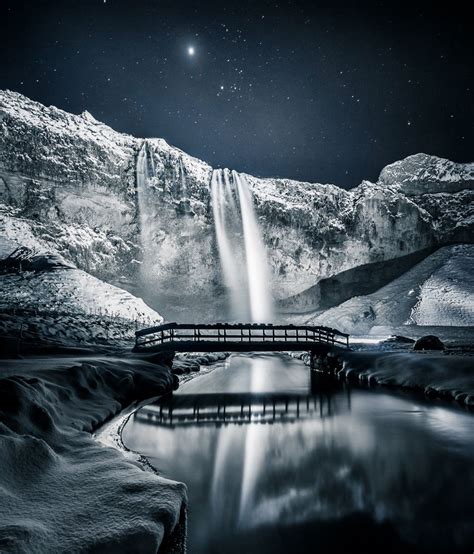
pixel 144 170
pixel 142 175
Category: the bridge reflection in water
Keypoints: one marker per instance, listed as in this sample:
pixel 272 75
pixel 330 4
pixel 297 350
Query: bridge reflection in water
pixel 240 408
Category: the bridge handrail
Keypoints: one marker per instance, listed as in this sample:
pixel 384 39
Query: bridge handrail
pixel 166 333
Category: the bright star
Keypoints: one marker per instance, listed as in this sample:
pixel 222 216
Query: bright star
pixel 191 50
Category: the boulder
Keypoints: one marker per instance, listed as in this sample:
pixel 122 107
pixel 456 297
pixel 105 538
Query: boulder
pixel 428 342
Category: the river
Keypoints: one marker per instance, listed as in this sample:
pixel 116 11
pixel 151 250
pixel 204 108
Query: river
pixel 273 467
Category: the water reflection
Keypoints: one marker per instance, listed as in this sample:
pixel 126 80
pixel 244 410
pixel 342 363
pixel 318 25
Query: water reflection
pixel 344 471
pixel 226 408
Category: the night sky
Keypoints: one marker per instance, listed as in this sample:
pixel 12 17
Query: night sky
pixel 290 89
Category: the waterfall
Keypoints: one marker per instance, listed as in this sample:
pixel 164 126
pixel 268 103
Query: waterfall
pixel 258 275
pixel 227 254
pixel 241 249
pixel 142 175
pixel 182 175
pixel 144 170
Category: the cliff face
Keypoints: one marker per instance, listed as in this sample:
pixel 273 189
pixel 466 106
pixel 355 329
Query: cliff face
pixel 69 184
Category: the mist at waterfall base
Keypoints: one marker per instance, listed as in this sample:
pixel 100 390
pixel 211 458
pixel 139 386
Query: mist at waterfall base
pixel 244 280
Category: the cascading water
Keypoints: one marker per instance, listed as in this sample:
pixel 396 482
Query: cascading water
pixel 261 304
pixel 226 244
pixel 144 170
pixel 242 252
pixel 244 265
pixel 182 176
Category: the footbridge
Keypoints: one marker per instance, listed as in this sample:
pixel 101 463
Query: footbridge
pixel 239 337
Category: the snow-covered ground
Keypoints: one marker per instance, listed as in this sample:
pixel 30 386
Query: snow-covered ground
pixel 72 291
pixel 43 298
pixel 67 307
pixel 447 296
pixel 438 291
pixel 60 490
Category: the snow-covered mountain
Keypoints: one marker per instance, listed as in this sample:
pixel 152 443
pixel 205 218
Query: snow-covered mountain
pixel 68 186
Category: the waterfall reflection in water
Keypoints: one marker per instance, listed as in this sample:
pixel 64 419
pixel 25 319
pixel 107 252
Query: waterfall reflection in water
pixel 358 472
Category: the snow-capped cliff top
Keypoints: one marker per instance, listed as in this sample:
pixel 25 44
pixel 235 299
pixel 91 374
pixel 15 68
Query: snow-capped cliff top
pixel 71 185
pixel 422 173
pixel 83 126
pixel 294 194
pixel 415 175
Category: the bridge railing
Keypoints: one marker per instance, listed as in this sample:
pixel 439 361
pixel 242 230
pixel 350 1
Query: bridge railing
pixel 238 332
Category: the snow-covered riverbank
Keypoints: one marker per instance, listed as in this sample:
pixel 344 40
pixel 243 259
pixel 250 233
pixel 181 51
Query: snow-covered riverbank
pixel 62 491
pixel 445 374
pixel 436 375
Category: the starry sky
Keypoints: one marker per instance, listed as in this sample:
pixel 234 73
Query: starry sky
pixel 290 89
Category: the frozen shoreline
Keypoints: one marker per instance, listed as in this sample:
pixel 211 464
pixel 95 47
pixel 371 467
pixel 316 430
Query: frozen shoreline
pixel 436 375
pixel 448 376
pixel 110 433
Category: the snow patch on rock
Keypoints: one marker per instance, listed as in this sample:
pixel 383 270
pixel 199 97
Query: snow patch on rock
pixel 72 291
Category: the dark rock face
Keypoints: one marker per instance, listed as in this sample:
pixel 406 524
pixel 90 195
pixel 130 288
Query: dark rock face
pixel 428 342
pixel 361 280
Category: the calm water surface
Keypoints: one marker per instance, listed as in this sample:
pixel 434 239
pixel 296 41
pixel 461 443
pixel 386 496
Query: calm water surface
pixel 272 467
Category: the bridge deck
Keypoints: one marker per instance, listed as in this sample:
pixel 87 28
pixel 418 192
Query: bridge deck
pixel 238 337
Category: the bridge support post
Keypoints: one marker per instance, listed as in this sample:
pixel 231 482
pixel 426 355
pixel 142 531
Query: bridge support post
pixel 323 370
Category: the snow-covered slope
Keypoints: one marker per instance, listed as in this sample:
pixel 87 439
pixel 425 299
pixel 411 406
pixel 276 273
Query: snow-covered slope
pixel 423 174
pixel 72 291
pixel 439 291
pixel 69 182
pixel 447 296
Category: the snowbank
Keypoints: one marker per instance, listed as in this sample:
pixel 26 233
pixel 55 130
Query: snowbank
pixel 447 297
pixel 73 291
pixel 436 375
pixel 60 491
